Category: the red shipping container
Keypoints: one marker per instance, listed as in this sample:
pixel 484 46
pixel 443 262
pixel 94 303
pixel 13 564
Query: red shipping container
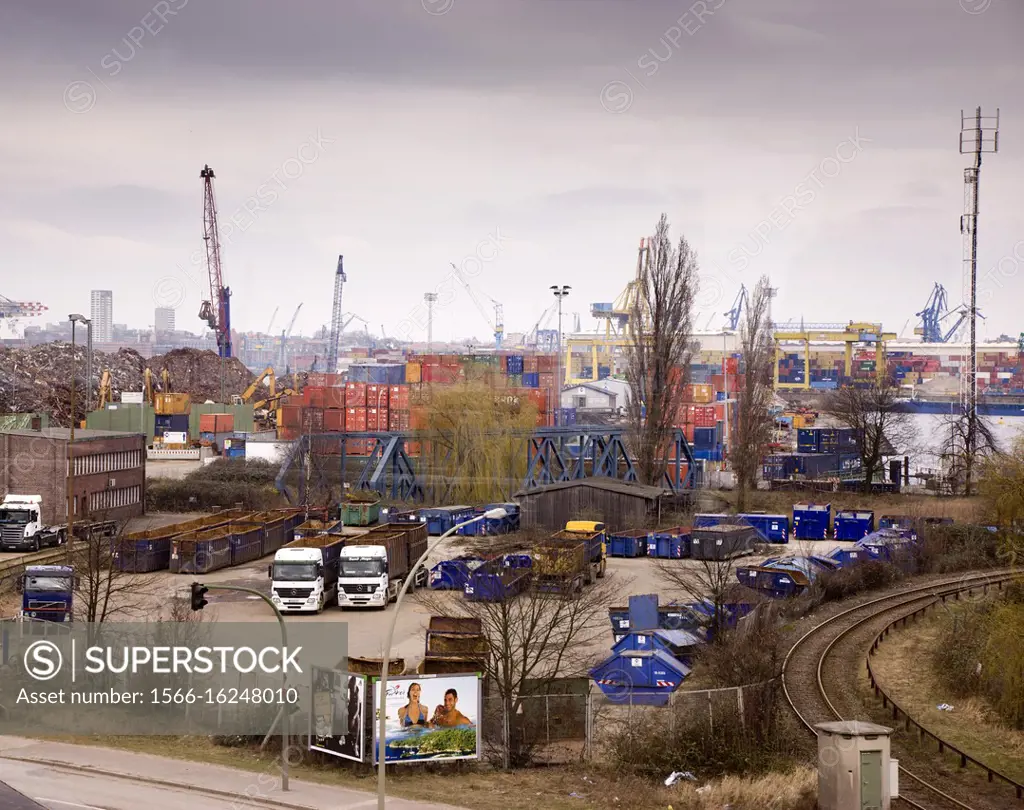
pixel 398 398
pixel 547 380
pixel 291 416
pixel 538 397
pixel 530 365
pixel 377 395
pixel 355 395
pixel 313 396
pixel 398 420
pixel 704 416
pixel 216 422
pixel 546 362
pixel 377 419
pixel 355 420
pixel 287 434
pixel 334 397
pixel 357 447
pixel 413 448
pixel 732 365
pixel 688 433
pixel 334 421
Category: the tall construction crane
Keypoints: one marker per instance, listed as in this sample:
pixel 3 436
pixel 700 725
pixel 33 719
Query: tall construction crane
pixel 736 312
pixel 336 315
pixel 935 311
pixel 498 322
pixel 272 319
pixel 285 334
pixel 217 310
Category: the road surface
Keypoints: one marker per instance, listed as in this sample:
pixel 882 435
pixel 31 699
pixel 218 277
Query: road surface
pixel 59 776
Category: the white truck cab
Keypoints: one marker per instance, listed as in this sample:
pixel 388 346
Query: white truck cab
pixel 22 527
pixel 300 582
pixel 363 577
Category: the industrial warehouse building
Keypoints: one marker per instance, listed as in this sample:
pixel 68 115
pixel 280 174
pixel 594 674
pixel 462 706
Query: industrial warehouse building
pixel 110 471
pixel 619 505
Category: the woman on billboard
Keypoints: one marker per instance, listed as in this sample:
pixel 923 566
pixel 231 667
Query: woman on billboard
pixel 413 713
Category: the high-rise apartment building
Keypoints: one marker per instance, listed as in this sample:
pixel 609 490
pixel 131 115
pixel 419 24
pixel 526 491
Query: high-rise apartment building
pixel 102 314
pixel 163 320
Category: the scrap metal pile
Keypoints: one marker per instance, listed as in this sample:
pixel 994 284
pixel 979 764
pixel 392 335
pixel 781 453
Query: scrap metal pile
pixel 38 379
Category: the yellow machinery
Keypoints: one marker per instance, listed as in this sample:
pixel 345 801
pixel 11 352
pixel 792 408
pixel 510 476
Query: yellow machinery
pixel 620 326
pixel 272 402
pixel 105 393
pixel 849 334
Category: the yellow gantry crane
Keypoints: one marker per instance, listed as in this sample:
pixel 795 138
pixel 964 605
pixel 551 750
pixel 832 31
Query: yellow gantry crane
pixel 850 334
pixel 619 324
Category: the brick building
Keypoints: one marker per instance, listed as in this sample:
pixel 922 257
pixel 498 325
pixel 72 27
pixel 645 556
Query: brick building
pixel 110 471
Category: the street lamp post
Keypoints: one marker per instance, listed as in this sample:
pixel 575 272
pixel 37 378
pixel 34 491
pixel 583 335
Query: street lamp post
pixel 560 293
pixel 491 514
pixel 71 438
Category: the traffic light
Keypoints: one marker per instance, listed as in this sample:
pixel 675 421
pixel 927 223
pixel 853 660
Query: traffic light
pixel 198 596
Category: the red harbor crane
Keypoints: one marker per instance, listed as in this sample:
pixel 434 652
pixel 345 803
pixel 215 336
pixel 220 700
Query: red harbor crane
pixel 216 311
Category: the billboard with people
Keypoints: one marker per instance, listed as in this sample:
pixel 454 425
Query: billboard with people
pixel 338 716
pixel 429 718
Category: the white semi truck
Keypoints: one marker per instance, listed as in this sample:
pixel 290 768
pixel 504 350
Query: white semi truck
pixel 373 566
pixel 22 525
pixel 304 574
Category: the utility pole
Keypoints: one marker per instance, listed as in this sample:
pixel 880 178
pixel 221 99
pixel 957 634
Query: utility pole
pixel 560 293
pixel 430 298
pixel 978 135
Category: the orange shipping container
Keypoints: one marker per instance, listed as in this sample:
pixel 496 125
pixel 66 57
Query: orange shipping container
pixel 216 422
pixel 530 365
pixel 418 418
pixel 334 421
pixel 313 397
pixel 355 420
pixel 412 372
pixel 703 394
pixel 398 398
pixel 287 434
pixel 376 396
pixel 377 419
pixel 291 416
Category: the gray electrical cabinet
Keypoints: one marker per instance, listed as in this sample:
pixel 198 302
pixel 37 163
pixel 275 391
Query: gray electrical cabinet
pixel 853 766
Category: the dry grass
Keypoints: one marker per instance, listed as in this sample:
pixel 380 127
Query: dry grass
pixel 963 510
pixel 973 726
pixel 563 788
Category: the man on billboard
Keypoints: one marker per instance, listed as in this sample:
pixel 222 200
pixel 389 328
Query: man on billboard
pixel 448 715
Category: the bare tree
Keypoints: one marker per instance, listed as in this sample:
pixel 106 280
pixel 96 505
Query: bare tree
pixel 658 354
pixel 104 588
pixel 754 422
pixel 700 580
pixel 533 641
pixel 882 427
pixel 961 463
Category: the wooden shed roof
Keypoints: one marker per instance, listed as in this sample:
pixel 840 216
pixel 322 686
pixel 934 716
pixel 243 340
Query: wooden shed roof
pixel 608 484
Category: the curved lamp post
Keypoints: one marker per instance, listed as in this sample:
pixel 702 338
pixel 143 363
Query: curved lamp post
pixel 491 514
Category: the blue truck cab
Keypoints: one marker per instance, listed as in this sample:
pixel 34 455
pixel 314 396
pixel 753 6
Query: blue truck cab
pixel 47 593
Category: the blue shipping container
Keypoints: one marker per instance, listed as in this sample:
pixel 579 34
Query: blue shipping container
pixel 514 364
pixel 531 380
pixel 807 440
pixel 566 416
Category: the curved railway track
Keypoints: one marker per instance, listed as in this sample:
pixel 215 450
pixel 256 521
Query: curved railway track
pixel 804 680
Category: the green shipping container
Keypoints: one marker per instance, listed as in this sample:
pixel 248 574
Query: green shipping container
pixel 243 415
pixel 124 419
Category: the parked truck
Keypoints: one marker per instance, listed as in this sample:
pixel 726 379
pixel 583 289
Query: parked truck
pixel 560 568
pixel 304 573
pixel 594 538
pixel 28 524
pixel 373 566
pixel 47 593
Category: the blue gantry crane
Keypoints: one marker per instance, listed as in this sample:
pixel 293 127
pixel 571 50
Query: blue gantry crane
pixel 935 311
pixel 736 312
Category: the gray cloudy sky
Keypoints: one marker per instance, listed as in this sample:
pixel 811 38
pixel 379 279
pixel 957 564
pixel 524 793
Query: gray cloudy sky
pixel 533 142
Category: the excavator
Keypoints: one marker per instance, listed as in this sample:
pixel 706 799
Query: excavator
pixel 267 411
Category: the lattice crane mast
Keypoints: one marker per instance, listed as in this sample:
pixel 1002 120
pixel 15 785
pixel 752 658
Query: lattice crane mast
pixel 285 334
pixel 217 310
pixel 736 312
pixel 498 322
pixel 337 327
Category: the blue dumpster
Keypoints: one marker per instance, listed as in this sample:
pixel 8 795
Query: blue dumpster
pixel 680 644
pixel 628 544
pixel 811 520
pixel 772 528
pixel 644 677
pixel 707 519
pixel 669 544
pixel 495 582
pixel 781 577
pixel 452 575
pixel 853 524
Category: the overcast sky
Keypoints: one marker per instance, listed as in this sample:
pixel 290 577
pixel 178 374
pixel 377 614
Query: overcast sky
pixel 531 142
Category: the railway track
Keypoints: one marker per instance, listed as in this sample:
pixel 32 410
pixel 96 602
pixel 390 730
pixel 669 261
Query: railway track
pixel 804 680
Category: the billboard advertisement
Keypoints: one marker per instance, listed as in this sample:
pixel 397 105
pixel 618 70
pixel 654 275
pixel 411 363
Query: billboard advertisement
pixel 429 718
pixel 338 716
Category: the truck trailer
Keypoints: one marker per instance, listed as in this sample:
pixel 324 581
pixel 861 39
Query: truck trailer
pixel 29 524
pixel 304 573
pixel 374 566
